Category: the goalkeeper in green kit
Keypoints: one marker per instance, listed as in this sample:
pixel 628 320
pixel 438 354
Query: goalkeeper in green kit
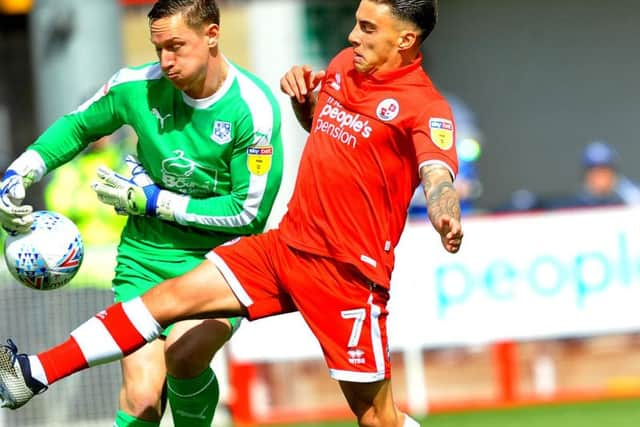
pixel 208 168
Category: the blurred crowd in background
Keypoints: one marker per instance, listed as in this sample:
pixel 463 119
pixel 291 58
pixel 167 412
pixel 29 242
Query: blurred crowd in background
pixel 602 183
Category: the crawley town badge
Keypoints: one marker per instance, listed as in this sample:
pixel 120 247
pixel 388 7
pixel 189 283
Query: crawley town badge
pixel 441 131
pixel 221 132
pixel 259 159
pixel 388 109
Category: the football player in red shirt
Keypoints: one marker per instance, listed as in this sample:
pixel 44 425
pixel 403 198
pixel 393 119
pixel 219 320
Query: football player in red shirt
pixel 378 128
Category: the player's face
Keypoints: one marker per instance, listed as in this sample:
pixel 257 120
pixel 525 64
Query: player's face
pixel 375 38
pixel 183 51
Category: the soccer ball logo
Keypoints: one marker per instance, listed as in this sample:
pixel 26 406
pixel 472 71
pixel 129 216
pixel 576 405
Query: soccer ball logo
pixel 49 255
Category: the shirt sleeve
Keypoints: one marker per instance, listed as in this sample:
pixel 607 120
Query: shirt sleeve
pixel 434 137
pixel 70 134
pixel 256 173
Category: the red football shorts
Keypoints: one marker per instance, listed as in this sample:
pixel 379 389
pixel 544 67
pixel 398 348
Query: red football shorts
pixel 345 312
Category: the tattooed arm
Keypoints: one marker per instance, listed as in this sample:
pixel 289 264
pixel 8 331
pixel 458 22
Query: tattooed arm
pixel 443 205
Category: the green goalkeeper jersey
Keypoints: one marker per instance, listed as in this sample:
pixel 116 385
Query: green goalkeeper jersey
pixel 224 152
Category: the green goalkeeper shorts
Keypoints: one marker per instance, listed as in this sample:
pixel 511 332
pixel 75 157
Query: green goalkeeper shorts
pixel 136 273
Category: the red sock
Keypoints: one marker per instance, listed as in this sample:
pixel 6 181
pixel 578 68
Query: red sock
pixel 62 360
pixel 109 335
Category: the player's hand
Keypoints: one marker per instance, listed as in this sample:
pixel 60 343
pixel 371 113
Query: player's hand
pixel 451 234
pixel 136 195
pixel 120 192
pixel 127 194
pixel 14 216
pixel 300 81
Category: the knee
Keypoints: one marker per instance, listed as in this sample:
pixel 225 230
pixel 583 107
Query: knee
pixel 379 417
pixel 142 400
pixel 373 419
pixel 191 346
pixel 189 356
pixel 368 419
pixel 183 362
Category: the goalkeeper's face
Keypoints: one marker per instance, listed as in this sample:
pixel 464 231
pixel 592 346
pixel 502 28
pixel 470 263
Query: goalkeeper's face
pixel 184 52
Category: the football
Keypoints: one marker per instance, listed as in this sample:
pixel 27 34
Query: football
pixel 49 255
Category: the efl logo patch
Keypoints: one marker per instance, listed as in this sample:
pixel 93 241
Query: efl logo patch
pixel 388 109
pixel 259 159
pixel 221 132
pixel 441 131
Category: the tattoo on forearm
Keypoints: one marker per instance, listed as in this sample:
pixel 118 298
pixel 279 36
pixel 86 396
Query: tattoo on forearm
pixel 442 198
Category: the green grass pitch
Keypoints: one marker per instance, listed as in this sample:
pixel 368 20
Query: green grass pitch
pixel 613 413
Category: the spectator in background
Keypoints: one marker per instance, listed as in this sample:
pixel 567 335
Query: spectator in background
pixel 602 182
pixel 602 185
pixel 522 200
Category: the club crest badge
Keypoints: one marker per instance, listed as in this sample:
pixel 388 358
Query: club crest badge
pixel 259 159
pixel 441 132
pixel 388 109
pixel 221 132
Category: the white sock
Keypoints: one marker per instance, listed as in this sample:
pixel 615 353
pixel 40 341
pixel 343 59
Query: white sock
pixel 37 371
pixel 410 422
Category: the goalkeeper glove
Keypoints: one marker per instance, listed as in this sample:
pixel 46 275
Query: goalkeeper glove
pixel 24 171
pixel 137 195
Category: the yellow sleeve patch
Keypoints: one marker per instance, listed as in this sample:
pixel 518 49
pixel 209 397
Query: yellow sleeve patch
pixel 441 132
pixel 259 159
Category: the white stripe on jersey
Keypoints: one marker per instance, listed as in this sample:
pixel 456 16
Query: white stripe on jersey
pixel 124 75
pixel 262 116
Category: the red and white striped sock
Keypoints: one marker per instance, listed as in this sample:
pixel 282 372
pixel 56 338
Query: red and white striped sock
pixel 109 335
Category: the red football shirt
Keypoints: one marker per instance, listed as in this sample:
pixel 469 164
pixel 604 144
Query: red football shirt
pixel 360 166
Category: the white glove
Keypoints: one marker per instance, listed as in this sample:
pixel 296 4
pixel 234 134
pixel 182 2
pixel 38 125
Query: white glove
pixel 15 217
pixel 137 195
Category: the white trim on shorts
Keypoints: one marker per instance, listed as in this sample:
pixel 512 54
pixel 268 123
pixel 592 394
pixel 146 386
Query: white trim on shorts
pixel 231 278
pixel 378 354
pixel 356 377
pixel 376 336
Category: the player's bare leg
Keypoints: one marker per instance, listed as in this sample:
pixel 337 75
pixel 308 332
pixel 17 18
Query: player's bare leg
pixel 202 293
pixel 373 404
pixel 142 383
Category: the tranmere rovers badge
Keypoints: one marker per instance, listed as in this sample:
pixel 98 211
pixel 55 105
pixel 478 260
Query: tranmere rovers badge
pixel 259 159
pixel 221 132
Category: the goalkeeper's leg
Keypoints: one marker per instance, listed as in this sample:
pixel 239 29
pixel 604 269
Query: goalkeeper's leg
pixel 192 386
pixel 141 392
